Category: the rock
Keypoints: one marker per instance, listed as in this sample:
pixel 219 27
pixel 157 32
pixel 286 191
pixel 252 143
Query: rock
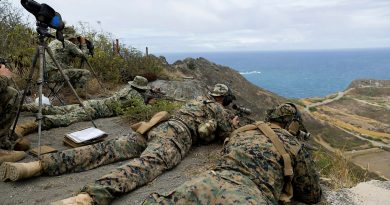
pixel 366 193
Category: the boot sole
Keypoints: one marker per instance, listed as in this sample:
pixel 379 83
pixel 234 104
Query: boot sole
pixel 4 171
pixel 13 172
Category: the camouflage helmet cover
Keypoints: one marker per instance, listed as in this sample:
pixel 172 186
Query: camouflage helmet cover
pixel 283 113
pixel 140 83
pixel 219 90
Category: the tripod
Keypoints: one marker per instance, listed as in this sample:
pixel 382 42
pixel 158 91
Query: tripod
pixel 43 33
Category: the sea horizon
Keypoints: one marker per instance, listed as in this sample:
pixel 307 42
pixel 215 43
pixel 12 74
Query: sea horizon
pixel 301 73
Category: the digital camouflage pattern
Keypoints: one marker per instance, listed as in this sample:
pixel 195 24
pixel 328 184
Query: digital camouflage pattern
pixel 66 57
pixel 168 144
pixel 63 116
pixel 249 172
pixel 9 101
pixel 92 156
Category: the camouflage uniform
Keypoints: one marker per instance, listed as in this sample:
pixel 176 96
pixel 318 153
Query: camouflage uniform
pixel 168 144
pixel 9 101
pixel 92 156
pixel 65 57
pixel 250 172
pixel 62 116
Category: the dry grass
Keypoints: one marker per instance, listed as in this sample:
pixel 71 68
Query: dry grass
pixel 344 125
pixel 338 171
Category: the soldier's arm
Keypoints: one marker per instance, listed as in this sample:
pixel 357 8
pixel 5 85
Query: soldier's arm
pixel 225 124
pixel 75 50
pixel 306 181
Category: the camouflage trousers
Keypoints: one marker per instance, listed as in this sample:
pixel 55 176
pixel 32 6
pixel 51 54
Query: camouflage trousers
pixel 92 156
pixel 10 98
pixel 213 187
pixel 168 143
pixel 63 116
pixel 77 77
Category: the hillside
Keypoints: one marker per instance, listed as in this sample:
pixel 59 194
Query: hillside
pixel 363 111
pixel 191 76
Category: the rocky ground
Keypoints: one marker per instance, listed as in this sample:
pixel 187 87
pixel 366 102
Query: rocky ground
pixel 46 189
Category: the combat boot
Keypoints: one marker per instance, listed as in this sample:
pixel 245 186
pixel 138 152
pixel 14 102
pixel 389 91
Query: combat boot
pixel 11 156
pixel 22 144
pixel 80 199
pixel 26 128
pixel 18 171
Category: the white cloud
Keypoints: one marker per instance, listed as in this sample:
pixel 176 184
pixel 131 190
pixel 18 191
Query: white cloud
pixel 220 25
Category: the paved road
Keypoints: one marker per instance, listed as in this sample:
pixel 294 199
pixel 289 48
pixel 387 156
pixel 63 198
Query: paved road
pixel 339 95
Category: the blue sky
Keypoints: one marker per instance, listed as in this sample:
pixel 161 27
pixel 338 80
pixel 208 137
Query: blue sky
pixel 233 25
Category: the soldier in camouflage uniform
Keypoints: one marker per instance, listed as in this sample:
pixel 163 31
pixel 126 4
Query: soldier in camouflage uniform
pixel 168 141
pixel 9 100
pixel 252 170
pixel 63 116
pixel 66 56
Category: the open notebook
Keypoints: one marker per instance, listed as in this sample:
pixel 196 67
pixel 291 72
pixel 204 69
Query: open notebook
pixel 84 137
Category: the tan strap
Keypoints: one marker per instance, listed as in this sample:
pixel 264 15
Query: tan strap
pixel 246 128
pixel 143 127
pixel 288 171
pixel 287 193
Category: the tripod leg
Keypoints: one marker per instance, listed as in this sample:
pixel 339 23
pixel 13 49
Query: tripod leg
pixel 40 86
pixel 32 69
pixel 69 84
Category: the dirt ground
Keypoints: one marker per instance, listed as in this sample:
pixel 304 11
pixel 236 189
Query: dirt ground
pixel 43 190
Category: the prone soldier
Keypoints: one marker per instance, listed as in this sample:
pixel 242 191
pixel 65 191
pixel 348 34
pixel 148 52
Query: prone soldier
pixel 262 163
pixel 63 116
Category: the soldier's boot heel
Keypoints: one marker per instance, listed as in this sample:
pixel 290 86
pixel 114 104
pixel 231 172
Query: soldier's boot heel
pixel 18 171
pixel 26 128
pixel 11 156
pixel 4 171
pixel 80 199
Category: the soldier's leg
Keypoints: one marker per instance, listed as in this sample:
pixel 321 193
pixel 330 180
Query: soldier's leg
pixel 213 187
pixel 92 156
pixel 78 159
pixel 77 115
pixel 50 110
pixel 168 144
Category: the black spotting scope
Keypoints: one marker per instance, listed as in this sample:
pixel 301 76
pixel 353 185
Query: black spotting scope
pixel 46 17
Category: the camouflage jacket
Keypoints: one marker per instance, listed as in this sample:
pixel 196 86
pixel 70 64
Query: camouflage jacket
pixel 9 101
pixel 65 56
pixel 254 155
pixel 203 111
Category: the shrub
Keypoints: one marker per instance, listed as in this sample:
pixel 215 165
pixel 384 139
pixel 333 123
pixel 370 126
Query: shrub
pixel 137 111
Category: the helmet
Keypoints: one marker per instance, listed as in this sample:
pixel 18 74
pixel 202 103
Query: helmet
pixel 287 114
pixel 140 83
pixel 69 32
pixel 219 90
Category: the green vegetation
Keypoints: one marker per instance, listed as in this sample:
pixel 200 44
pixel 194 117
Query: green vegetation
pixel 18 41
pixel 340 140
pixel 137 111
pixel 313 109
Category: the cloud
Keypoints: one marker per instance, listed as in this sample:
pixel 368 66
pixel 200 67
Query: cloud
pixel 221 25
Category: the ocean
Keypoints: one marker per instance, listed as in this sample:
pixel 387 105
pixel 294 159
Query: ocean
pixel 301 74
